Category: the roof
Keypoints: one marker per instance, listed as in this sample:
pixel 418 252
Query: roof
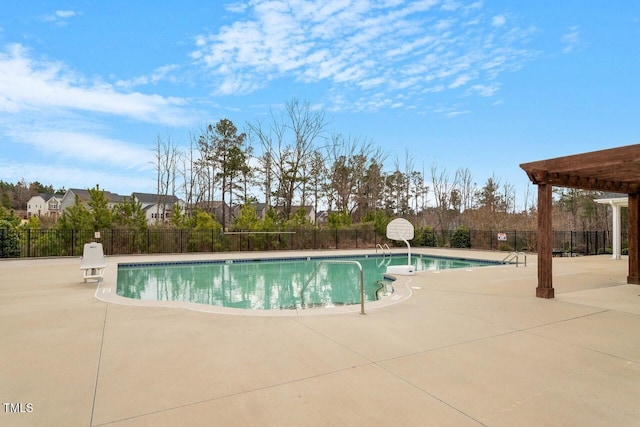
pixel 614 169
pixel 84 195
pixel 47 197
pixel 153 198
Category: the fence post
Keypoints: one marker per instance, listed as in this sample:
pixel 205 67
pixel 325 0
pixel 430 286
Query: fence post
pixel 571 247
pixel 490 240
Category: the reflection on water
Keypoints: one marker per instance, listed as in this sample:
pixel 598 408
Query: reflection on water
pixel 267 284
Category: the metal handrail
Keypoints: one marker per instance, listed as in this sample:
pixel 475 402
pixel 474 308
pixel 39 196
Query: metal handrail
pixel 382 248
pixel 515 255
pixel 337 262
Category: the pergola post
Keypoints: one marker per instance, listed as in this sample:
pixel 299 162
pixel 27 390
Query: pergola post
pixel 634 239
pixel 545 278
pixel 617 233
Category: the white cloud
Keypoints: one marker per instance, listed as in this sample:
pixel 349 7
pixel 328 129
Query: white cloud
pixel 361 47
pixel 89 149
pixel 237 7
pixel 572 40
pixel 160 74
pixel 30 85
pixel 484 90
pixel 450 111
pixel 498 21
pixel 51 116
pixel 78 176
pixel 59 17
pixel 461 80
pixel 65 13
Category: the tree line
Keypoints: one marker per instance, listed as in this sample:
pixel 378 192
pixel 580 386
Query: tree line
pixel 292 159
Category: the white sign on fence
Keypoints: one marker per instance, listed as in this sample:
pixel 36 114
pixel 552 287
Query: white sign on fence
pixel 502 237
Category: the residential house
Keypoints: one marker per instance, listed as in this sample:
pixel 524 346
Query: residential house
pixel 69 198
pixel 214 208
pixel 322 217
pixel 44 205
pixel 260 208
pixel 261 211
pixel 310 213
pixel 157 208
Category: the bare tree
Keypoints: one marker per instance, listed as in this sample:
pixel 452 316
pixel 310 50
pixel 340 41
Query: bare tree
pixel 287 147
pixel 167 155
pixel 188 172
pixel 206 168
pixel 442 187
pixel 264 175
pixel 464 183
pixel 307 126
pixel 317 178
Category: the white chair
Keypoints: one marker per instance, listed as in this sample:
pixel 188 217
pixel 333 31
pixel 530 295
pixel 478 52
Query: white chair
pixel 93 262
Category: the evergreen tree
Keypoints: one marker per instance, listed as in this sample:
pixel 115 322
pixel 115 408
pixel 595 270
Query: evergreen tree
pixel 76 217
pixel 179 218
pixel 129 214
pixel 100 211
pixel 247 219
pixel 230 157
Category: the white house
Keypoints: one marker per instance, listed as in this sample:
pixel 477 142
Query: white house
pixel 157 208
pixel 44 205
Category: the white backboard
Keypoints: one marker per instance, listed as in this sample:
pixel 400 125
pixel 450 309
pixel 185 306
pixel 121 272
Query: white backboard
pixel 400 229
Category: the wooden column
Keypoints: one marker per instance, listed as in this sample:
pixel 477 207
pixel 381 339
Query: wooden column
pixel 545 279
pixel 634 239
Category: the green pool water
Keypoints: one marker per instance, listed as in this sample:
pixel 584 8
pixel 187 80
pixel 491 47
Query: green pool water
pixel 268 284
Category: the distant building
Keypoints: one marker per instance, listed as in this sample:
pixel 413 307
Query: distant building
pixel 310 213
pixel 69 198
pixel 157 208
pixel 262 209
pixel 44 205
pixel 214 208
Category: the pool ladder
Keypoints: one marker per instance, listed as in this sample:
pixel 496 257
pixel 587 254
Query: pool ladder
pixel 515 255
pixel 382 249
pixel 320 264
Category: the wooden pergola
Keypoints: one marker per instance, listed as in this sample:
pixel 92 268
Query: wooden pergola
pixel 615 170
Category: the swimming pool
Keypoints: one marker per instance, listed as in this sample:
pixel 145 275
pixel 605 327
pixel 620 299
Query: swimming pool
pixel 268 284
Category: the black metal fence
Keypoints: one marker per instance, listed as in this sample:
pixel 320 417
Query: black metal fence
pixel 569 242
pixel 55 243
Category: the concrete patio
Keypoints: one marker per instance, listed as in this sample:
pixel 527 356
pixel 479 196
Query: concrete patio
pixel 461 348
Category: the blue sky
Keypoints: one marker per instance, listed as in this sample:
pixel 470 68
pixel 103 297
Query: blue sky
pixel 86 87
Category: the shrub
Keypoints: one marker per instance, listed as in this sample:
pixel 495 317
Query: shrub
pixel 338 220
pixel 505 247
pixel 380 220
pixel 461 238
pixel 425 237
pixel 9 240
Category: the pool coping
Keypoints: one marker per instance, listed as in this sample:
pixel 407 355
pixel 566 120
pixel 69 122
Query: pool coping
pixel 106 290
